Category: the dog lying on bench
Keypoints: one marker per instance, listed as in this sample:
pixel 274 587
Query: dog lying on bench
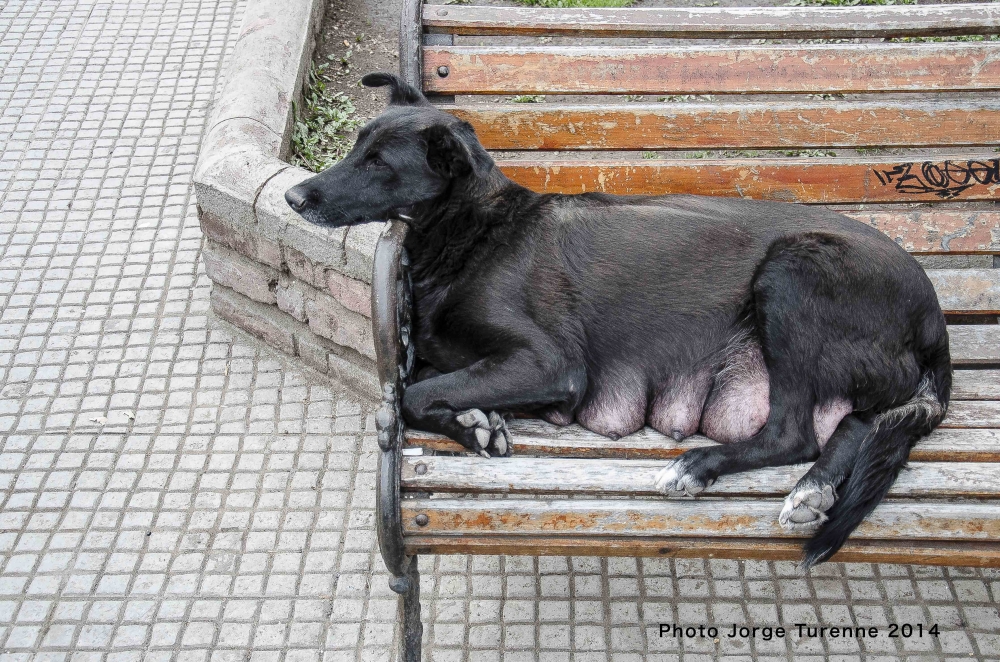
pixel 787 333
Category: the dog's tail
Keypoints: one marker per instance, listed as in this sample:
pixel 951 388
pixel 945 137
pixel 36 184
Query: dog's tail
pixel 883 453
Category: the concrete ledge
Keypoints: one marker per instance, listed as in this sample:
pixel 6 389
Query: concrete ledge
pixel 269 267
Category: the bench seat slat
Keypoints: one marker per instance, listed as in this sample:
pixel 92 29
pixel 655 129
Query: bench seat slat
pixel 716 22
pixel 753 125
pixel 974 344
pixel 973 414
pixel 928 552
pixel 967 290
pixel 518 475
pixel 825 69
pixel 663 518
pixel 534 437
pixel 976 385
pixel 827 180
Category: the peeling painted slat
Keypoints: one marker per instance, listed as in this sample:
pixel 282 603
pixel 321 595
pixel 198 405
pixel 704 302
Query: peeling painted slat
pixel 818 180
pixel 938 231
pixel 824 68
pixel 751 125
pixel 967 290
pixel 716 22
pixel 665 518
pixel 519 475
pixel 537 438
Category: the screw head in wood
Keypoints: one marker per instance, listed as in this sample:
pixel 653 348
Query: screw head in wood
pixel 442 71
pixel 422 519
pixel 442 12
pixel 421 468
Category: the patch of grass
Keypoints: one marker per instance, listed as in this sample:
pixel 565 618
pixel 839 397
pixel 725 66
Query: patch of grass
pixel 562 4
pixel 684 98
pixel 649 155
pixel 633 97
pixel 752 153
pixel 847 3
pixel 969 37
pixel 322 124
pixel 808 153
pixel 528 98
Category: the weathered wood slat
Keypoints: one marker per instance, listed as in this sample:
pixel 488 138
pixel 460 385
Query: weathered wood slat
pixel 827 68
pixel 757 518
pixel 938 231
pixel 967 290
pixel 535 437
pixel 964 553
pixel 519 475
pixel 976 385
pixel 974 344
pixel 973 414
pixel 754 125
pixel 833 180
pixel 716 22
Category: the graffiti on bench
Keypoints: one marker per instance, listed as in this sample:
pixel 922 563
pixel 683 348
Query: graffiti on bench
pixel 947 179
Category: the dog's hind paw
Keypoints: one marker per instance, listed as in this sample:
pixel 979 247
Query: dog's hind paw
pixel 806 505
pixel 675 480
pixel 487 435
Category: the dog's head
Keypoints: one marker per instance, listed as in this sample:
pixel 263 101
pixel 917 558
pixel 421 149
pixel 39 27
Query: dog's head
pixel 409 154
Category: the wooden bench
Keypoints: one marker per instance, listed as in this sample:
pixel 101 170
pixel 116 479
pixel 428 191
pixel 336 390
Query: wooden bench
pixel 570 491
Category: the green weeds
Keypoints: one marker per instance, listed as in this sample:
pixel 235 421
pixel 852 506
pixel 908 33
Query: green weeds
pixel 323 123
pixel 847 3
pixel 576 3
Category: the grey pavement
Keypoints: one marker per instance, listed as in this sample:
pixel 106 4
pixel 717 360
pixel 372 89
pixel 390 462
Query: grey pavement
pixel 169 489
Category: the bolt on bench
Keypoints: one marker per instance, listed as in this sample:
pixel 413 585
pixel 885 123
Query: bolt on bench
pixel 933 105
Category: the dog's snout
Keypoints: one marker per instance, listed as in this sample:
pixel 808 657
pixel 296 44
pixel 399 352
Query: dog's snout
pixel 299 197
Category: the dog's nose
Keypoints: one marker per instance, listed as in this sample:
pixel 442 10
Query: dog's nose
pixel 298 198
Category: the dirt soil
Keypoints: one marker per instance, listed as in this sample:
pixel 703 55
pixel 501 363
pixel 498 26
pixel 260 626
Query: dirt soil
pixel 358 37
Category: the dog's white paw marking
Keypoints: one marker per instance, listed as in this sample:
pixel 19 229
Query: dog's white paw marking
pixel 673 480
pixel 473 417
pixel 490 431
pixel 806 505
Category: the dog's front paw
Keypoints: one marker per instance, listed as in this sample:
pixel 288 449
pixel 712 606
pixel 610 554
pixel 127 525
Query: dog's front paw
pixel 806 505
pixel 676 479
pixel 486 434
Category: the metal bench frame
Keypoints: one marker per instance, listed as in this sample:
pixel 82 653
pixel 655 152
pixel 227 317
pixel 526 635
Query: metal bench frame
pixel 949 464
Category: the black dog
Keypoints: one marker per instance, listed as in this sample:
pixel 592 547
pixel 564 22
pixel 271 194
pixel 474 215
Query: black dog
pixel 790 333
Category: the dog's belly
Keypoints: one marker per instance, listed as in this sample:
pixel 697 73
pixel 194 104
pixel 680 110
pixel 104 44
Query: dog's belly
pixel 732 405
pixel 739 404
pixel 676 410
pixel 617 406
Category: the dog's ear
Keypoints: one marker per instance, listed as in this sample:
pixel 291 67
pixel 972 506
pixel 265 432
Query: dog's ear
pixel 401 93
pixel 447 155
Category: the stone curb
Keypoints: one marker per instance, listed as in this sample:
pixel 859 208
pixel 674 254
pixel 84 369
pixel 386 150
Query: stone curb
pixel 291 266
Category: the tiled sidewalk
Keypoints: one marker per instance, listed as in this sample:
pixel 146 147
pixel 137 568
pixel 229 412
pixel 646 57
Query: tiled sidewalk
pixel 171 490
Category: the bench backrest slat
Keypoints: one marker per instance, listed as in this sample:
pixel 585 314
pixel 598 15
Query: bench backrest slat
pixel 717 22
pixel 817 69
pixel 826 181
pixel 727 125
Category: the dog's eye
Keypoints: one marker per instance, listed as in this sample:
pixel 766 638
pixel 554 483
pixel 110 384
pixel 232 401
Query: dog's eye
pixel 375 161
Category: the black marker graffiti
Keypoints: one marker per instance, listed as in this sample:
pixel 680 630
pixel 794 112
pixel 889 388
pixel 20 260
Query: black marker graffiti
pixel 947 179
